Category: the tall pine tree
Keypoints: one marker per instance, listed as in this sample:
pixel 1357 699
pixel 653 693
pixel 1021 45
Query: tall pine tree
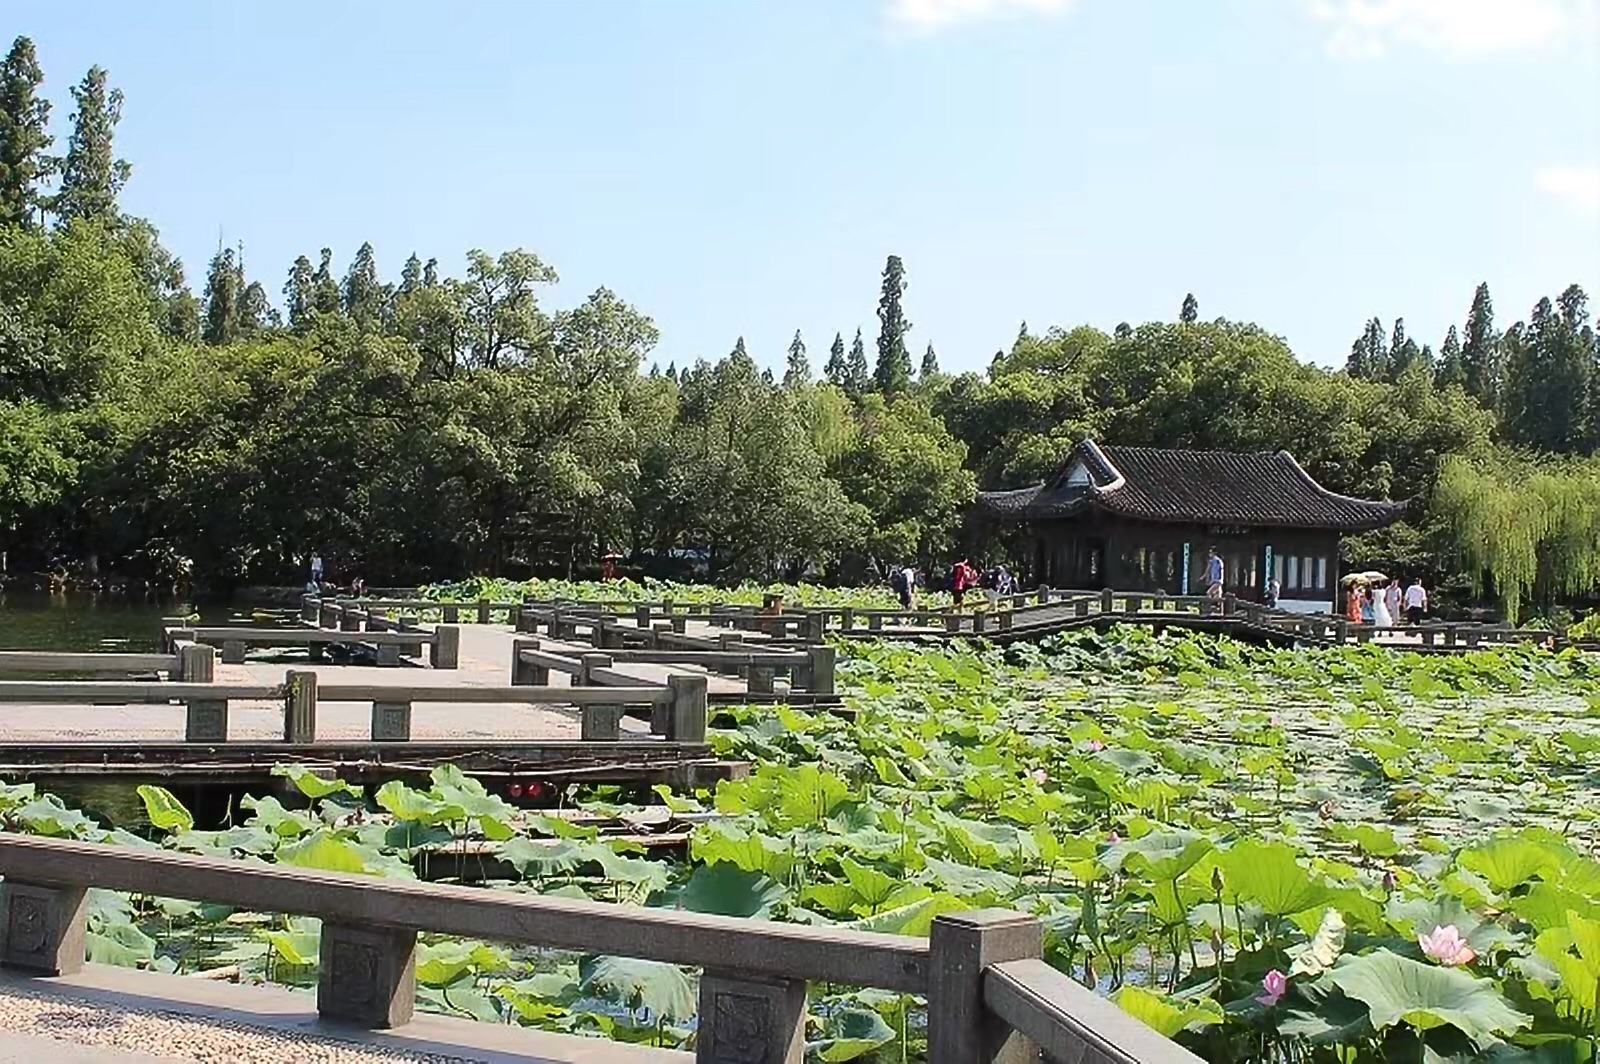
pixel 856 377
pixel 930 362
pixel 836 371
pixel 91 174
pixel 220 317
pixel 410 276
pixel 893 371
pixel 1451 370
pixel 325 297
pixel 1481 355
pixel 1191 310
pixel 298 294
pixel 24 135
pixel 798 370
pixel 363 293
pixel 1369 355
pixel 1403 351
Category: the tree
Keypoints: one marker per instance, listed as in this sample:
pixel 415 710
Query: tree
pixel 503 322
pixel 1547 380
pixel 836 370
pixel 255 313
pixel 1191 310
pixel 324 289
pixel 91 174
pixel 798 369
pixel 930 363
pixel 363 295
pixel 856 380
pixel 24 135
pixel 1403 351
pixel 1369 355
pixel 1480 350
pixel 1451 371
pixel 892 374
pixel 299 293
pixel 410 276
pixel 221 304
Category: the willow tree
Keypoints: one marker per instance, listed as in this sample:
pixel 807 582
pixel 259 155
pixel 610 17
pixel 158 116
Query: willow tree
pixel 1529 529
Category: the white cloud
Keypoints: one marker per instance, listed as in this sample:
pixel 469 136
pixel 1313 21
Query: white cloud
pixel 929 16
pixel 1364 29
pixel 1576 186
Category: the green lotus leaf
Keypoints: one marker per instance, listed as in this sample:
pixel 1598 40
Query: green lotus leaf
pixel 1399 990
pixel 1269 874
pixel 1167 1015
pixel 163 810
pixel 851 1033
pixel 634 984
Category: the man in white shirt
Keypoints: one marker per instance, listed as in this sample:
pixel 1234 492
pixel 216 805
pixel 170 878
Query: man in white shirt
pixel 1416 601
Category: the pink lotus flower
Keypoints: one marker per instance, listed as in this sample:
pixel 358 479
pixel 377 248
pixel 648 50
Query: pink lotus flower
pixel 1040 776
pixel 1113 838
pixel 1273 986
pixel 1447 946
pixel 1095 746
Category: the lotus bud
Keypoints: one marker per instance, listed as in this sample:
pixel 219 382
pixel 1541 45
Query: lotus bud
pixel 1216 880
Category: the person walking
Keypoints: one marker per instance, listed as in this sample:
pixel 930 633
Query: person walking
pixel 1391 599
pixel 316 568
pixel 1352 603
pixel 903 580
pixel 1416 601
pixel 1213 574
pixel 1382 616
pixel 1274 589
pixel 960 579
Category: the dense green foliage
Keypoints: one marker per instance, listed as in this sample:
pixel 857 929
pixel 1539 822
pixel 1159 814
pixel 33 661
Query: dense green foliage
pixel 436 425
pixel 1408 842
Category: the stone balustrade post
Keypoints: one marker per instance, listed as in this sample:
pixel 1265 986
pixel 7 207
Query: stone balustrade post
pixel 300 707
pixel 367 975
pixel 689 710
pixel 749 1020
pixel 445 652
pixel 42 929
pixel 961 1029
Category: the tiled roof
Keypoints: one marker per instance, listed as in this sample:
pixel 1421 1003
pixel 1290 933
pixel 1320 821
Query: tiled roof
pixel 1206 487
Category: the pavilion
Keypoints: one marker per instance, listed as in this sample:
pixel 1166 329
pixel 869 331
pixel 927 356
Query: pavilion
pixel 1143 518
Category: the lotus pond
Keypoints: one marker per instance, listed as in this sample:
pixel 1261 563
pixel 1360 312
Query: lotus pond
pixel 1345 855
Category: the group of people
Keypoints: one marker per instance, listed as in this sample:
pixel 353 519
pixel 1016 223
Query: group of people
pixel 316 585
pixel 1384 604
pixel 994 582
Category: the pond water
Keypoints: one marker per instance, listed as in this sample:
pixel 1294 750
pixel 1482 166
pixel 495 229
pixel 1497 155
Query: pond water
pixel 94 623
pixel 83 622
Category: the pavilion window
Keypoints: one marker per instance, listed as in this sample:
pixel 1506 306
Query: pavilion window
pixel 1292 575
pixel 1252 578
pixel 1322 572
pixel 1277 567
pixel 1308 573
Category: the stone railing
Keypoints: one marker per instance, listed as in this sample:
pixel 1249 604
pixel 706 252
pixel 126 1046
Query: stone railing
pixel 991 999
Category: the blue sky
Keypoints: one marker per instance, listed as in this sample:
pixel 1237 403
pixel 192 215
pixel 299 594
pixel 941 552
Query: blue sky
pixel 744 166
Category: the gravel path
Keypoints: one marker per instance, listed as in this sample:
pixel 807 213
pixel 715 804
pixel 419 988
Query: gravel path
pixel 176 1037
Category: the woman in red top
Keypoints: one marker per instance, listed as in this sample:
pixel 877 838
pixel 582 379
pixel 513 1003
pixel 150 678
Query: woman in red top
pixel 960 580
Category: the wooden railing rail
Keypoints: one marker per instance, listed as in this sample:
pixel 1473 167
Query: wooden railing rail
pixel 1069 1023
pixel 91 664
pixel 388 640
pixel 989 997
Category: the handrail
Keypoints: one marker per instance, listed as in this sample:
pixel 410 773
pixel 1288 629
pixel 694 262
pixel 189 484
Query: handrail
pixel 892 962
pixel 51 661
pixel 975 967
pixel 131 693
pixel 1069 1022
pixel 576 696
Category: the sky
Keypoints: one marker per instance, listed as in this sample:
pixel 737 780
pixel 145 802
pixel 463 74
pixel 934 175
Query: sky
pixel 743 167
